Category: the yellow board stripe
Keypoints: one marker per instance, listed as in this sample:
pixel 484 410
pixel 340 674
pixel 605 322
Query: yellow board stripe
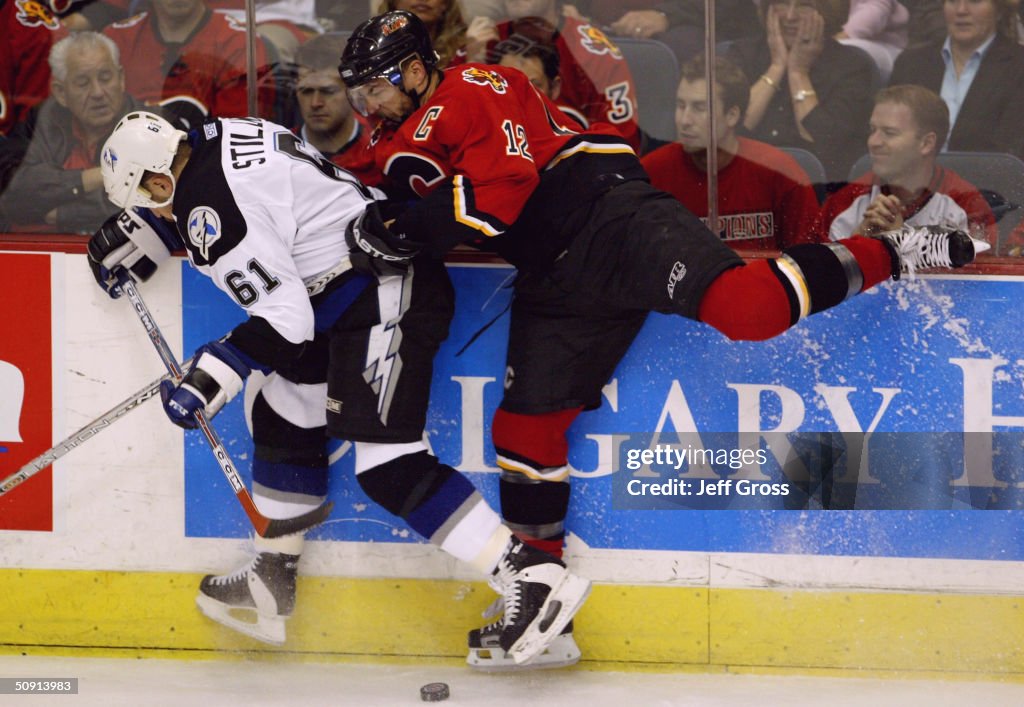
pixel 622 627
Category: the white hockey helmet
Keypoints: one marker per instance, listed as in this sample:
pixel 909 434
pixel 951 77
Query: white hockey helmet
pixel 141 142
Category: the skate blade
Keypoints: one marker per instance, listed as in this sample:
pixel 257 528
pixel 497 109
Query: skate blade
pixel 571 592
pixel 268 629
pixel 562 653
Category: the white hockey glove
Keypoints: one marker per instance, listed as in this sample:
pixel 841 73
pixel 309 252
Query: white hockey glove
pixel 127 240
pixel 374 249
pixel 215 377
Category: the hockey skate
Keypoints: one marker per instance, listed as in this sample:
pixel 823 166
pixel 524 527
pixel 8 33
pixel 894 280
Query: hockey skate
pixel 933 247
pixel 487 655
pixel 540 597
pixel 255 599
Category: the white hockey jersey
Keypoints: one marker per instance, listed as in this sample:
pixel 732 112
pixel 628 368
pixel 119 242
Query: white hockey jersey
pixel 263 214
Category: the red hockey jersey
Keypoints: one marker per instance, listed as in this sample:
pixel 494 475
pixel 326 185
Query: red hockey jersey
pixel 206 72
pixel 949 200
pixel 595 77
pixel 765 200
pixel 28 29
pixel 479 167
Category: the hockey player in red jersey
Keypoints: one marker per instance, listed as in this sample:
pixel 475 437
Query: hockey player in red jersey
pixel 190 59
pixel 597 249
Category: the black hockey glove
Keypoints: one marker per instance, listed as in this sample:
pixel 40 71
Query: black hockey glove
pixel 130 241
pixel 374 249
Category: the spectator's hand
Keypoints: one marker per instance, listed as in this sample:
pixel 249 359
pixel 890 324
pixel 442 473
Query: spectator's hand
pixel 810 40
pixel 776 43
pixel 479 34
pixel 882 215
pixel 640 23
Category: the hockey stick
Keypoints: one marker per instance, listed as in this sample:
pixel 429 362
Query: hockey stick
pixel 90 430
pixel 266 527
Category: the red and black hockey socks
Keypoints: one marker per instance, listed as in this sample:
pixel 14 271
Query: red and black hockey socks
pixel 533 454
pixel 762 299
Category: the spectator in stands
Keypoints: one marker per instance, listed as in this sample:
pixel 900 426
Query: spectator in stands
pixel 810 91
pixel 328 123
pixel 182 55
pixel 595 77
pixel 539 61
pixel 765 200
pixel 28 31
pixel 444 21
pixel 677 23
pixel 59 183
pixel 879 27
pixel 975 70
pixel 906 185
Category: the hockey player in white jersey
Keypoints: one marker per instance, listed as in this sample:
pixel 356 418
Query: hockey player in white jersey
pixel 346 343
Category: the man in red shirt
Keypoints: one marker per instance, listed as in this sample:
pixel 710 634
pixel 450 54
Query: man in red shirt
pixel 595 77
pixel 182 55
pixel 765 200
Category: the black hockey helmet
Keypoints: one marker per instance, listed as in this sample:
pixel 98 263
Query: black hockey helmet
pixel 378 47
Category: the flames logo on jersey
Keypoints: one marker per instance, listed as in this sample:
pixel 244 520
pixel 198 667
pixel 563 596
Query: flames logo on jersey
pixel 32 13
pixel 596 42
pixel 393 25
pixel 485 78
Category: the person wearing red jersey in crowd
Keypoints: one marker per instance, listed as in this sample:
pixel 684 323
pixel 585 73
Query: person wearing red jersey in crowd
pixel 905 184
pixel 540 63
pixel 328 123
pixel 595 77
pixel 597 248
pixel 59 182
pixel 765 200
pixel 29 29
pixel 191 60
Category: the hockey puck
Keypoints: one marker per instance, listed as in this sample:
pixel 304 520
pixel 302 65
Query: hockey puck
pixel 434 692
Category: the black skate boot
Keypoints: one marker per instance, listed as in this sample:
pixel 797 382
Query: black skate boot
pixel 919 248
pixel 540 597
pixel 264 588
pixel 487 655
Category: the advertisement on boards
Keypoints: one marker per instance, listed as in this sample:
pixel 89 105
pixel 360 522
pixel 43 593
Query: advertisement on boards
pixel 890 426
pixel 26 387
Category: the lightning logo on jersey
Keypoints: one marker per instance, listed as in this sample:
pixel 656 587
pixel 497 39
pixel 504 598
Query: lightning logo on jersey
pixel 383 364
pixel 203 229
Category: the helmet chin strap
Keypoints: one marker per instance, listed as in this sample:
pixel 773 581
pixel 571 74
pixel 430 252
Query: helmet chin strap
pixel 417 97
